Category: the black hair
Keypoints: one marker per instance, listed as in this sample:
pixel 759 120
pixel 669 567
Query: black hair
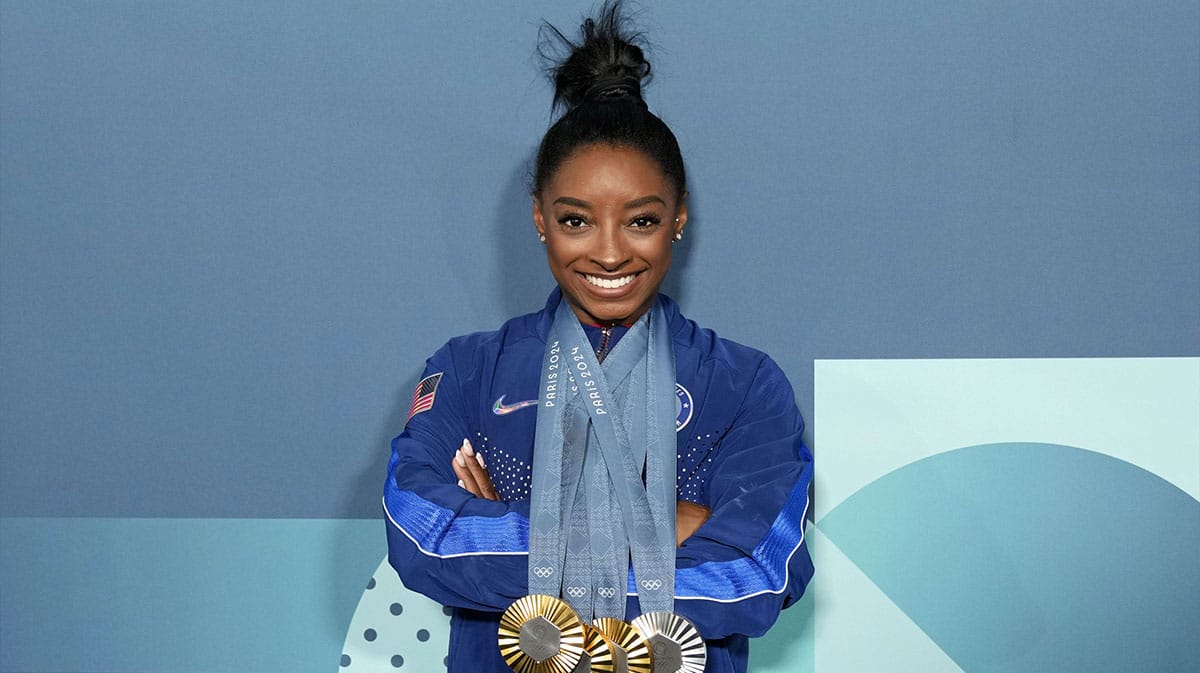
pixel 599 83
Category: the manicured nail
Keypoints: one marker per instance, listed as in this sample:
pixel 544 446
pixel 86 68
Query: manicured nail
pixel 467 448
pixel 461 484
pixel 458 458
pixel 479 459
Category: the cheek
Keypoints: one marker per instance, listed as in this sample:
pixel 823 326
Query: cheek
pixel 659 253
pixel 567 248
pixel 559 255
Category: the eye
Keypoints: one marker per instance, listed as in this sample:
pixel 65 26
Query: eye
pixel 646 221
pixel 572 221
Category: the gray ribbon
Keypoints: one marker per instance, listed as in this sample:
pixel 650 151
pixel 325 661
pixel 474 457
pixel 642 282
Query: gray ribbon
pixel 598 426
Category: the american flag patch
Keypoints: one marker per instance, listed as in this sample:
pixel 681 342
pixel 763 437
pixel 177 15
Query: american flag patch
pixel 423 396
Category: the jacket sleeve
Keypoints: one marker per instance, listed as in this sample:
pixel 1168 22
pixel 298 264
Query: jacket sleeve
pixel 750 560
pixel 455 548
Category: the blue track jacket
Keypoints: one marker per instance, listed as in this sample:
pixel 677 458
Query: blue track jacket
pixel 740 454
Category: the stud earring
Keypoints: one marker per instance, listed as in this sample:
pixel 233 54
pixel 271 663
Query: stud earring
pixel 541 237
pixel 679 236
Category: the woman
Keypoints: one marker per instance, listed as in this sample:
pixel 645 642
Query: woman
pixel 550 437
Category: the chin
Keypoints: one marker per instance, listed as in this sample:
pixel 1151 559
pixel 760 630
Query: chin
pixel 624 314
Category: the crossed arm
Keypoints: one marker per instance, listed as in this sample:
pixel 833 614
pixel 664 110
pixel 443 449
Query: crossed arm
pixel 473 476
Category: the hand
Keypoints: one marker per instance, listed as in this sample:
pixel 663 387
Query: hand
pixel 688 518
pixel 472 473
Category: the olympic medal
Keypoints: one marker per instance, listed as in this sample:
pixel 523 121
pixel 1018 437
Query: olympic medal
pixel 541 634
pixel 597 652
pixel 631 650
pixel 675 643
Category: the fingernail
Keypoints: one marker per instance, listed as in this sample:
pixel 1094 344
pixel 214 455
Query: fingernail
pixel 467 448
pixel 479 459
pixel 458 458
pixel 461 484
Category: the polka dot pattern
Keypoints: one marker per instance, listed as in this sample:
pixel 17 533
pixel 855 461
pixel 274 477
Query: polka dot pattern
pixel 394 629
pixel 510 475
pixel 693 464
pixel 513 476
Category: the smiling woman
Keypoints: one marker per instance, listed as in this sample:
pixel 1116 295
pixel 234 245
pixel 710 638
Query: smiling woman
pixel 609 217
pixel 662 478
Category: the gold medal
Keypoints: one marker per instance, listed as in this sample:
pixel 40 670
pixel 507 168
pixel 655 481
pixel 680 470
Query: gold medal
pixel 675 643
pixel 597 652
pixel 541 634
pixel 631 650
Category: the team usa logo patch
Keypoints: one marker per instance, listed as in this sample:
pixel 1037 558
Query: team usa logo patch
pixel 683 407
pixel 423 396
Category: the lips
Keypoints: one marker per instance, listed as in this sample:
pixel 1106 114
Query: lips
pixel 609 283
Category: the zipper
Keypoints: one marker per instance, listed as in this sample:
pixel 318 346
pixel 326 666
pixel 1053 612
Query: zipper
pixel 605 336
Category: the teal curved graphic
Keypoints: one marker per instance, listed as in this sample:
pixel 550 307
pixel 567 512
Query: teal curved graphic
pixel 1034 557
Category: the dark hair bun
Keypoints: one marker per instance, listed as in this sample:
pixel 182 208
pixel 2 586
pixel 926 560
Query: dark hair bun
pixel 599 83
pixel 606 63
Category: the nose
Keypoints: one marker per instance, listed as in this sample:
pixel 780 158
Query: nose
pixel 610 250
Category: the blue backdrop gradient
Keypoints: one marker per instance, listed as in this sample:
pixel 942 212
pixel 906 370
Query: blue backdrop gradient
pixel 230 232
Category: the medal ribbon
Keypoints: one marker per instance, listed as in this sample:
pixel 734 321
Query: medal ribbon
pixel 590 509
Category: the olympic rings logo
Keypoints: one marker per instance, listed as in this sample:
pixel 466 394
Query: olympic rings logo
pixel 652 585
pixel 543 571
pixel 577 592
pixel 606 592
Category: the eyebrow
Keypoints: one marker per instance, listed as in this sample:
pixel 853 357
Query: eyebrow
pixel 636 203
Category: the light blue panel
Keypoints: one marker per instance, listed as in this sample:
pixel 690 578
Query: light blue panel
pixel 1006 559
pixel 880 415
pixel 1034 557
pixel 187 595
pixel 858 628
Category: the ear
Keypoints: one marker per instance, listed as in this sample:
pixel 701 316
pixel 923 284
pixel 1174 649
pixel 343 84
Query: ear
pixel 681 215
pixel 538 222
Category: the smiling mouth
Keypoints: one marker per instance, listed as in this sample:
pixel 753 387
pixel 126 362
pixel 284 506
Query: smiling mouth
pixel 609 283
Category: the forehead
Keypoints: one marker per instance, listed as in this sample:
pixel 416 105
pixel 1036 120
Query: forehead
pixel 610 169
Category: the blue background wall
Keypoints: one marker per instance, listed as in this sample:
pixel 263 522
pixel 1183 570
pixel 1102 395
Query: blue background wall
pixel 231 232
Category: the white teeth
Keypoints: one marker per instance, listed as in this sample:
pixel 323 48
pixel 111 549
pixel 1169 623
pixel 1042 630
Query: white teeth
pixel 609 283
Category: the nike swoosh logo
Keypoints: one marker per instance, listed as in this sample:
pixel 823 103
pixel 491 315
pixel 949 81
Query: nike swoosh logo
pixel 500 409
